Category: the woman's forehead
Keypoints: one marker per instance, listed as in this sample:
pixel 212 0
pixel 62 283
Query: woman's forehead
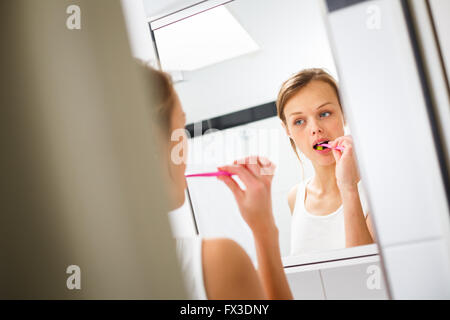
pixel 310 98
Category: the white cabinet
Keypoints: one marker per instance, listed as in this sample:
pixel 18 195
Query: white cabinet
pixel 306 285
pixel 353 273
pixel 357 282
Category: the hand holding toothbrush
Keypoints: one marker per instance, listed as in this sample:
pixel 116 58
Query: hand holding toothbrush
pixel 255 202
pixel 347 173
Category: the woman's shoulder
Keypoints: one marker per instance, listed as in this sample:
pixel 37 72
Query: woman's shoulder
pixel 209 251
pixel 292 196
pixel 363 198
pixel 221 248
pixel 293 193
pixel 239 276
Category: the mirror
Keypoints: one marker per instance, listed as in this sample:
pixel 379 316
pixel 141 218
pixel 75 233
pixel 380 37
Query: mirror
pixel 228 60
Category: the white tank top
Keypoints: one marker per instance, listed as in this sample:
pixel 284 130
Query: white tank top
pixel 189 252
pixel 312 233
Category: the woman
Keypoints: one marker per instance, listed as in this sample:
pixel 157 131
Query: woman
pixel 326 209
pixel 220 268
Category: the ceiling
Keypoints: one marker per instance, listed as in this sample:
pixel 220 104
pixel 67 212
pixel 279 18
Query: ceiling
pixel 161 7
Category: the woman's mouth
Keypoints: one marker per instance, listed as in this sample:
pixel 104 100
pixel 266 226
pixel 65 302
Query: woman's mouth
pixel 322 149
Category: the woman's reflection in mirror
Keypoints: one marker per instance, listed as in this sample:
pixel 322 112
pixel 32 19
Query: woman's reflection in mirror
pixel 329 210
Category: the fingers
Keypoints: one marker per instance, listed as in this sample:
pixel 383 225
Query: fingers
pixel 233 186
pixel 242 172
pixel 259 166
pixel 251 163
pixel 346 142
pixel 267 167
pixel 252 170
pixel 337 155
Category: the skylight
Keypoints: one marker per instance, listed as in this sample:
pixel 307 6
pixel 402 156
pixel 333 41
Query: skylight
pixel 202 40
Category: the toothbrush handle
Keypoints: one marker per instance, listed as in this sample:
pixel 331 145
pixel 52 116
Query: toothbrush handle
pixel 210 174
pixel 329 146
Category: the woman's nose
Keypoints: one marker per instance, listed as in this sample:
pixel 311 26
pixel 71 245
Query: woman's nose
pixel 315 129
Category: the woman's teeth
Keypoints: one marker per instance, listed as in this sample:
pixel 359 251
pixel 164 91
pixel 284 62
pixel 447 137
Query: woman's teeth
pixel 319 147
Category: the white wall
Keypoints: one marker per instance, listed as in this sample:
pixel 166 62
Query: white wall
pixel 291 37
pixel 156 8
pixel 138 30
pixel 385 105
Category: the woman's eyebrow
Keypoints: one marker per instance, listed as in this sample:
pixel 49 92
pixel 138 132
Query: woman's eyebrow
pixel 321 106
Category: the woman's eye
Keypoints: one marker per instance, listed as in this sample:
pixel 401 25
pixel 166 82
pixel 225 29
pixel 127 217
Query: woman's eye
pixel 299 122
pixel 325 114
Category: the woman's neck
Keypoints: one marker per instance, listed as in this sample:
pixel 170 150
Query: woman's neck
pixel 324 181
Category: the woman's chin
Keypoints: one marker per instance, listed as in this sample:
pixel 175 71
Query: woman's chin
pixel 325 162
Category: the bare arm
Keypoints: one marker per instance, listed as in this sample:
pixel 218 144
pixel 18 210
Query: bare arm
pixel 270 265
pixel 228 272
pixel 357 232
pixel 292 195
pixel 370 226
pixel 255 205
pixel 347 177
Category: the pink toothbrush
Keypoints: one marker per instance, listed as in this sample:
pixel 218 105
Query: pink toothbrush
pixel 210 174
pixel 320 147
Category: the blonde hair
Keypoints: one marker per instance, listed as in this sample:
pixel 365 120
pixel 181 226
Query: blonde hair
pixel 162 104
pixel 163 96
pixel 295 84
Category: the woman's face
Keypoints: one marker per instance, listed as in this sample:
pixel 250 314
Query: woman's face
pixel 314 115
pixel 178 153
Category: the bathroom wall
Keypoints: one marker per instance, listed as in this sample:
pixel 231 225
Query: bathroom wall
pixel 387 102
pixel 290 38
